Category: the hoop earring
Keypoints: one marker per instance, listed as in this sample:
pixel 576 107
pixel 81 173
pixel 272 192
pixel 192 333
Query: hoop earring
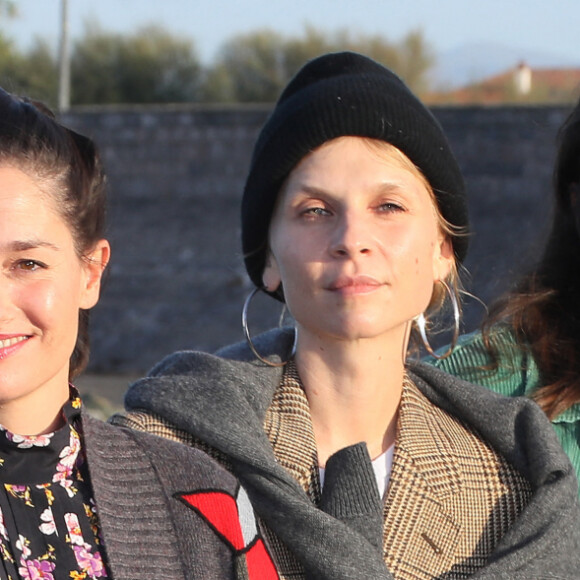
pixel 249 338
pixel 422 323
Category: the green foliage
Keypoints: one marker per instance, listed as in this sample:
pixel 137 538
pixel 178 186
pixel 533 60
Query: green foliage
pixel 154 66
pixel 415 60
pixel 6 53
pixel 8 8
pixel 255 67
pixel 250 68
pixel 33 73
pixel 150 66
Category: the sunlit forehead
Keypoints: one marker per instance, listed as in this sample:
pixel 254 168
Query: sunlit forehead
pixel 347 168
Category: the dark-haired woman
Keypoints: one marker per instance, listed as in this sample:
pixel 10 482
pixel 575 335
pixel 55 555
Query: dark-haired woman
pixel 79 498
pixel 530 341
pixel 361 463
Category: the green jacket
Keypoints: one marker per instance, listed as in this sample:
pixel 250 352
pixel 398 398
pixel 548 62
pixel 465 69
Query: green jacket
pixel 517 375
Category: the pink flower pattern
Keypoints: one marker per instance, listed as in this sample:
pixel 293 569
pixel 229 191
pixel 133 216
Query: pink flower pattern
pixel 68 457
pixel 5 552
pixel 90 563
pixel 53 532
pixel 36 569
pixel 27 441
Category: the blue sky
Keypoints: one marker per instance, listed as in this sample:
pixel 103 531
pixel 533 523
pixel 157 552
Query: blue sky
pixel 528 25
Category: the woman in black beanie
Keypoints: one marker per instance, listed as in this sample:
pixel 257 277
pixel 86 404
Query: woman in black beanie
pixel 360 462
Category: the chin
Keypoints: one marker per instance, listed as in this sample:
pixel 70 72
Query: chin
pixel 354 333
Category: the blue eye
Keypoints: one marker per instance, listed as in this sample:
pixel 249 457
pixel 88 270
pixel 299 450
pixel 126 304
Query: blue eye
pixel 317 211
pixel 390 207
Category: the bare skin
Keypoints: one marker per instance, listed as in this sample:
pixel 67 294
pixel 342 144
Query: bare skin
pixel 343 412
pixel 43 284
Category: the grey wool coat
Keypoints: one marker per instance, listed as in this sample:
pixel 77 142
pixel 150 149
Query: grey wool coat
pixel 149 531
pixel 222 400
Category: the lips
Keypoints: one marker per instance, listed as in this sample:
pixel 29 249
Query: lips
pixel 10 344
pixel 10 341
pixel 354 285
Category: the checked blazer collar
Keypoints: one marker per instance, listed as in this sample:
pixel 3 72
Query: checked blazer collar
pixel 450 498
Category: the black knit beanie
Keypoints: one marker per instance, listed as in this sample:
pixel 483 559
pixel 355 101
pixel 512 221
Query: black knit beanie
pixel 345 94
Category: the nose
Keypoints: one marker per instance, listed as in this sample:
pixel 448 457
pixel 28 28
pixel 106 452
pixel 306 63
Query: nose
pixel 351 237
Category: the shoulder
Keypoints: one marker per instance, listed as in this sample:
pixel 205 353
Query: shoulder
pixel 461 395
pixel 472 352
pixel 514 426
pixel 440 385
pixel 194 383
pixel 173 503
pixel 275 344
pixel 512 373
pixel 121 446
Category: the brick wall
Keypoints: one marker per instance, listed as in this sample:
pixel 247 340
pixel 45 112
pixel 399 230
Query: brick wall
pixel 176 174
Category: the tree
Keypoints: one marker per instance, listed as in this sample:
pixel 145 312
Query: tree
pixel 34 73
pixel 150 66
pixel 154 66
pixel 94 67
pixel 8 8
pixel 31 73
pixel 302 49
pixel 6 53
pixel 415 60
pixel 257 66
pixel 250 68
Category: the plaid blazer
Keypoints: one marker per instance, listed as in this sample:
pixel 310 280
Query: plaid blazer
pixel 450 497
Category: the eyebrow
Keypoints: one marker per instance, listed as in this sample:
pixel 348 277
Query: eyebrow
pixel 382 188
pixel 25 245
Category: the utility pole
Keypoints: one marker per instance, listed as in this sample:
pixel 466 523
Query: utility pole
pixel 64 60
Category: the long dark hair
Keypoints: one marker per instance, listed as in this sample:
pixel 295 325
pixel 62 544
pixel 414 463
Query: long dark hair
pixel 543 310
pixel 68 163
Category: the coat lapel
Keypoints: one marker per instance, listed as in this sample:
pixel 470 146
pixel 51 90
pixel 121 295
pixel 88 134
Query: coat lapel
pixel 421 528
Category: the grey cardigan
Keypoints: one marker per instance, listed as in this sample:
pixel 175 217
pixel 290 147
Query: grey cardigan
pixel 222 400
pixel 148 531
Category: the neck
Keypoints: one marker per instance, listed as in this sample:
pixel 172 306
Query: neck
pixel 36 414
pixel 353 389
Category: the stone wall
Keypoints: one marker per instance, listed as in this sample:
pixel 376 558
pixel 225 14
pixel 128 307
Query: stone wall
pixel 176 174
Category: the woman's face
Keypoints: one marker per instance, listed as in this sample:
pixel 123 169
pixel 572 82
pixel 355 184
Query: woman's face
pixel 43 284
pixel 355 243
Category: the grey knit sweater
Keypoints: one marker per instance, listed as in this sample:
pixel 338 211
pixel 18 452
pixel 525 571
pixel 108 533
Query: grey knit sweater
pixel 222 400
pixel 149 531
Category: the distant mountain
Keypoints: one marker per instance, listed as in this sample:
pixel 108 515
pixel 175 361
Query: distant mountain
pixel 472 62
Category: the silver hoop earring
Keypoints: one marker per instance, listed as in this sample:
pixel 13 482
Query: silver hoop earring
pixel 422 324
pixel 249 338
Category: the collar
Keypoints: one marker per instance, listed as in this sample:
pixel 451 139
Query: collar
pixel 288 426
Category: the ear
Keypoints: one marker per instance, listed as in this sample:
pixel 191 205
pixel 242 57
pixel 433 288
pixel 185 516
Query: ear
pixel 443 258
pixel 94 264
pixel 271 277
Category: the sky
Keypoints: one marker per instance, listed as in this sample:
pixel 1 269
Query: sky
pixel 549 26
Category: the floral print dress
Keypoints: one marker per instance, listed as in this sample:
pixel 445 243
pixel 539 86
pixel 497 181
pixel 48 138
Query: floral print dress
pixel 48 519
